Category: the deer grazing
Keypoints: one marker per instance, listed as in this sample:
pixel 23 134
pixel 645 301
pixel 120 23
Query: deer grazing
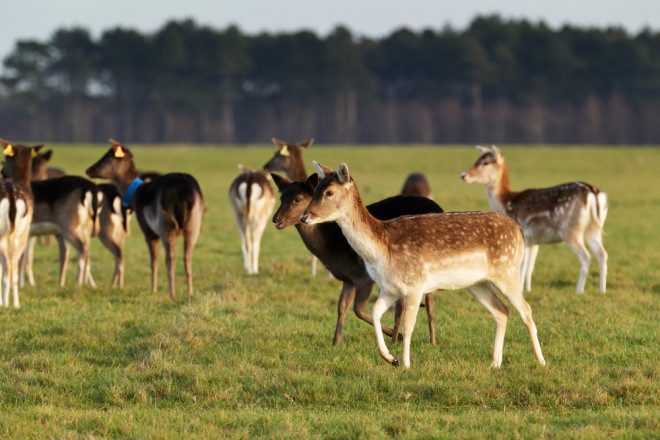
pixel 416 184
pixel 16 209
pixel 167 207
pixel 327 242
pixel 410 255
pixel 65 206
pixel 288 159
pixel 572 212
pixel 252 200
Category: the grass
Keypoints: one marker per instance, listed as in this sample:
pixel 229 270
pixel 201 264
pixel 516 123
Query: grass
pixel 251 356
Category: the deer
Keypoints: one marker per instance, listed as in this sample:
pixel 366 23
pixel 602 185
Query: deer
pixel 113 229
pixel 252 200
pixel 288 159
pixel 68 207
pixel 166 208
pixel 40 168
pixel 16 210
pixel 572 212
pixel 416 184
pixel 327 242
pixel 410 255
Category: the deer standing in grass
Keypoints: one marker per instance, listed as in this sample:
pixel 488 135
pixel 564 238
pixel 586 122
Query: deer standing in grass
pixel 252 200
pixel 167 207
pixel 16 209
pixel 572 212
pixel 411 255
pixel 327 242
pixel 66 206
pixel 113 229
pixel 288 159
pixel 416 184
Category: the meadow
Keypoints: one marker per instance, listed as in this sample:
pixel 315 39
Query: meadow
pixel 251 356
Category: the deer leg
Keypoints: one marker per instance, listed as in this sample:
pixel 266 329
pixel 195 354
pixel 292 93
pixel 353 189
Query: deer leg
pixel 88 270
pixel 13 280
pixel 169 244
pixel 5 280
pixel 83 255
pixel 577 246
pixel 489 299
pixel 398 311
pixel 29 254
pixel 409 317
pixel 64 258
pixel 345 299
pixel 523 266
pixel 429 300
pixel 513 293
pixel 383 304
pixel 314 263
pixel 152 245
pixel 257 233
pixel 533 252
pixel 363 292
pixel 189 241
pixel 595 241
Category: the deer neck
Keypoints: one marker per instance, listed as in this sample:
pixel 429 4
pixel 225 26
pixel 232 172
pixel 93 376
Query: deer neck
pixel 23 174
pixel 499 192
pixel 124 180
pixel 363 231
pixel 296 172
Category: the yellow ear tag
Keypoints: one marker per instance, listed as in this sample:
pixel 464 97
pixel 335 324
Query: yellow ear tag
pixel 9 150
pixel 284 151
pixel 119 152
pixel 34 152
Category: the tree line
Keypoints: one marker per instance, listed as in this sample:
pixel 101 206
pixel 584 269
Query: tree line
pixel 495 81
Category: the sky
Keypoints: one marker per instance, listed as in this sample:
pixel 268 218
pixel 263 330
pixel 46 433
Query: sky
pixel 39 18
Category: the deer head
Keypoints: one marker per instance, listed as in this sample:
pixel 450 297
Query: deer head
pixel 40 165
pixel 487 169
pixel 294 198
pixel 286 155
pixel 18 159
pixel 334 196
pixel 117 161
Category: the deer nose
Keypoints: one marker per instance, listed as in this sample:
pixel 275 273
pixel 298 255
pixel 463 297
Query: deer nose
pixel 303 218
pixel 463 176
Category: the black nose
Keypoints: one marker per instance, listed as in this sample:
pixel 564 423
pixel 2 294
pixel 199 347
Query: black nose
pixel 303 218
pixel 463 176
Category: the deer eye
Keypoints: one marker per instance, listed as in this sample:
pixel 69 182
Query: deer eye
pixel 297 200
pixel 329 194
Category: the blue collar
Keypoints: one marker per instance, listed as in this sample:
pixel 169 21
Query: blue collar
pixel 126 200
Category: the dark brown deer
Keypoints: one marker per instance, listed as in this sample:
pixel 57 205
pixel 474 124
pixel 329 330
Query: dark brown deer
pixel 166 208
pixel 252 200
pixel 572 212
pixel 40 168
pixel 16 208
pixel 411 255
pixel 113 229
pixel 417 184
pixel 288 159
pixel 327 242
pixel 67 207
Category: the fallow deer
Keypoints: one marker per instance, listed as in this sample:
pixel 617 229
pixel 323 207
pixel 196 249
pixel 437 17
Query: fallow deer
pixel 252 199
pixel 113 229
pixel 41 170
pixel 16 209
pixel 67 207
pixel 416 184
pixel 327 242
pixel 571 212
pixel 166 208
pixel 288 159
pixel 411 255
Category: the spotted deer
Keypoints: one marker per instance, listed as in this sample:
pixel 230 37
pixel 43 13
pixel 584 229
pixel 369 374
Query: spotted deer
pixel 252 199
pixel 288 159
pixel 327 242
pixel 410 255
pixel 16 210
pixel 166 208
pixel 572 212
pixel 66 207
pixel 416 184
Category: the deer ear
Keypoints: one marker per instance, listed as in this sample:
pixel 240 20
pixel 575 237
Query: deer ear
pixel 321 169
pixel 307 142
pixel 312 181
pixel 278 142
pixel 281 181
pixel 47 155
pixel 34 150
pixel 498 154
pixel 342 173
pixel 482 150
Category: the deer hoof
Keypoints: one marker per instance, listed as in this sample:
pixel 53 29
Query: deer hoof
pixel 395 362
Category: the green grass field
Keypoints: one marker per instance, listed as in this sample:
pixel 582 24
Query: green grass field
pixel 252 356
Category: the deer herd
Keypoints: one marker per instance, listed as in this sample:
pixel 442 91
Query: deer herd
pixel 405 244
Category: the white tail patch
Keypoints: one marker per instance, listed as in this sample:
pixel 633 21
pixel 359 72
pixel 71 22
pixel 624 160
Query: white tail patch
pixel 4 215
pixel 116 205
pixel 87 203
pixel 242 194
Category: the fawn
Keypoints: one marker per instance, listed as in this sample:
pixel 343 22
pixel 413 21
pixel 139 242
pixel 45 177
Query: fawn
pixel 571 212
pixel 327 242
pixel 416 184
pixel 411 255
pixel 166 207
pixel 252 200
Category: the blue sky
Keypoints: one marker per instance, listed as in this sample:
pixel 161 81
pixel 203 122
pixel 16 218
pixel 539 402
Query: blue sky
pixel 39 18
